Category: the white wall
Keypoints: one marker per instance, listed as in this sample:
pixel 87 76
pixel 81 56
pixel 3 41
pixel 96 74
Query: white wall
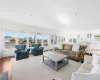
pixel 18 27
pixel 0 41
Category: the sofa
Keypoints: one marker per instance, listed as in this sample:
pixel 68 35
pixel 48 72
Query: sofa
pixel 87 66
pixel 21 52
pixel 37 49
pixel 69 49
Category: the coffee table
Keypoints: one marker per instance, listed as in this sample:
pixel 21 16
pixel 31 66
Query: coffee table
pixel 55 60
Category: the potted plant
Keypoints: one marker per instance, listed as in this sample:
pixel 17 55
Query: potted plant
pixel 97 37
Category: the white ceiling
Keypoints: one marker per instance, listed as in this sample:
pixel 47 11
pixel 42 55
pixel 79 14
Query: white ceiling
pixel 53 14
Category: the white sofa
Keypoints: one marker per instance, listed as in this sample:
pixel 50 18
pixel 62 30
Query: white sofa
pixel 87 65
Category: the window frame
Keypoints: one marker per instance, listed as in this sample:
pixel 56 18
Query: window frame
pixel 28 34
pixel 3 37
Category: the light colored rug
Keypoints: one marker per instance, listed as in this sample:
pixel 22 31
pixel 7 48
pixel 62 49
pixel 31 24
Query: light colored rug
pixel 33 69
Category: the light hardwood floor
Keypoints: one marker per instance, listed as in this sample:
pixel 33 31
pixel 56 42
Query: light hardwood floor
pixel 5 65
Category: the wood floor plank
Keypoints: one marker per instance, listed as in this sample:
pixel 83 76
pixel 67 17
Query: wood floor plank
pixel 5 65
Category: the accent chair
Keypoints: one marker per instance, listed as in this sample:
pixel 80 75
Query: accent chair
pixel 21 52
pixel 37 49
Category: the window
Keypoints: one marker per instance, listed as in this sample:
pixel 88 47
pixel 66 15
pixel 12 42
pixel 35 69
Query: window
pixel 55 39
pixel 70 40
pixel 9 39
pixel 62 39
pixel 45 40
pixel 52 39
pixel 22 38
pixel 74 40
pixel 59 39
pixel 31 39
pixel 39 38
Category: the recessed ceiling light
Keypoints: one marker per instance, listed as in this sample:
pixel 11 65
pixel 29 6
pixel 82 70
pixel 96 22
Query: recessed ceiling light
pixel 68 4
pixel 64 19
pixel 30 14
pixel 76 14
pixel 97 21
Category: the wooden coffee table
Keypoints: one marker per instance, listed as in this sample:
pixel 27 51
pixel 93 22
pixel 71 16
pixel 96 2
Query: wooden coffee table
pixel 55 60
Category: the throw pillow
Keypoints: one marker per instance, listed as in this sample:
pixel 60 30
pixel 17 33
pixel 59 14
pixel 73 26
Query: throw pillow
pixel 76 47
pixel 4 76
pixel 85 76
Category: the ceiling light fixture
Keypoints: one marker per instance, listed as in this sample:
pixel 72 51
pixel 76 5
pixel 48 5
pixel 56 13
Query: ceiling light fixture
pixel 64 19
pixel 30 14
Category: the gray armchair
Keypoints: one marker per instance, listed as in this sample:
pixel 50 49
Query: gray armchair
pixel 21 52
pixel 37 50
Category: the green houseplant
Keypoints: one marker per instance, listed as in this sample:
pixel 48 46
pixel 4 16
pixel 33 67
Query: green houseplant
pixel 97 37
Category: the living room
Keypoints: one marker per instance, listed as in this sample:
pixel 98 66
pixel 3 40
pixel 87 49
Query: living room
pixel 49 40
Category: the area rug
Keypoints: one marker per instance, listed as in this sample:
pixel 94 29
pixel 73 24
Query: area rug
pixel 33 68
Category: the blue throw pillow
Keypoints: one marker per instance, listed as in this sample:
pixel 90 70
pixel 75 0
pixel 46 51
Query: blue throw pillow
pixel 4 76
